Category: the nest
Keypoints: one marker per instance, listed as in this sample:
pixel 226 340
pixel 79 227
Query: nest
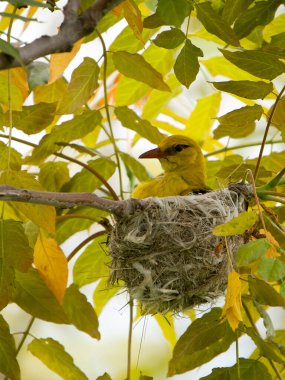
pixel 166 254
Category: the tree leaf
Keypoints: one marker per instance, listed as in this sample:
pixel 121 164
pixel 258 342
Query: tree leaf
pixel 278 118
pixel 186 66
pixel 133 16
pixel 105 376
pixel 124 41
pixel 15 159
pixel 33 296
pixel 169 39
pixel 50 93
pixel 261 64
pixel 237 225
pixel 233 8
pixel 138 170
pixel 260 14
pixel 53 175
pixel 264 293
pixel 248 369
pixel 9 49
pixel 51 263
pixel 173 12
pixel 60 61
pixel 245 88
pixel 33 119
pixel 204 339
pixel 251 251
pixel 91 265
pixel 214 24
pixel 238 123
pixel 87 181
pixel 42 215
pixel 271 269
pixel 9 366
pixel 204 113
pixel 102 294
pixel 67 131
pixel 54 356
pixel 83 83
pixel 80 312
pixel 77 219
pixel 131 120
pixel 136 67
pixel 233 305
pixel 16 95
pixel 268 324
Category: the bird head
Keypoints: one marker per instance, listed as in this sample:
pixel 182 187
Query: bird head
pixel 176 152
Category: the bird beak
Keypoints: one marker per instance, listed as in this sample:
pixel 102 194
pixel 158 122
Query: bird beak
pixel 153 153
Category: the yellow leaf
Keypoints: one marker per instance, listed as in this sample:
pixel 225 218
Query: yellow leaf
pixel 134 18
pixel 166 323
pixel 51 263
pixel 272 251
pixel 233 305
pixel 60 61
pixel 117 10
pixel 19 79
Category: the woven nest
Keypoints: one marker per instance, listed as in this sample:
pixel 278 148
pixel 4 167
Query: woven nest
pixel 166 254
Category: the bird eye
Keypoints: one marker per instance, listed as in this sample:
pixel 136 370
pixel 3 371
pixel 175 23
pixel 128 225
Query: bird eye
pixel 180 147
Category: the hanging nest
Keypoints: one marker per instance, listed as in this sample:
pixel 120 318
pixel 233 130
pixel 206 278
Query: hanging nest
pixel 166 254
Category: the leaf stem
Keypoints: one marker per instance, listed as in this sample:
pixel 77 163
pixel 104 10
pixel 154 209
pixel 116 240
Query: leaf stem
pixel 84 242
pixel 247 312
pixel 237 356
pixel 26 333
pixel 266 131
pixel 105 62
pixel 225 149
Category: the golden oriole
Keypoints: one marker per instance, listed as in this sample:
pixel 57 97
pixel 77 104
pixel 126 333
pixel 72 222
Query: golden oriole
pixel 184 169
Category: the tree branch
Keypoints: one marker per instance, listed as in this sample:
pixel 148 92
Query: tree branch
pixel 69 200
pixel 73 28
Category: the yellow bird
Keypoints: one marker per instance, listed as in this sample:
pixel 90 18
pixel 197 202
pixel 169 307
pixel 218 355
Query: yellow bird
pixel 184 169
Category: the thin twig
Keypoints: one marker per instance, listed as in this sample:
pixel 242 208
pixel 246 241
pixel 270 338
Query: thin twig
pixel 84 242
pixel 129 362
pixel 266 132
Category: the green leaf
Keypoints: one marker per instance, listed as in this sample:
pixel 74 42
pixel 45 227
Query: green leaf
pixel 105 376
pixel 33 296
pixel 16 95
pixel 9 49
pixel 173 12
pixel 278 118
pixel 136 67
pixel 245 88
pixel 268 324
pixel 75 220
pixel 33 119
pixel 7 277
pixel 260 14
pixel 87 181
pixel 92 263
pixel 153 21
pixel 38 74
pixel 256 62
pixel 204 339
pixel 169 39
pixel 271 269
pixel 67 131
pixel 50 93
pixel 102 294
pixel 53 175
pixel 138 170
pixel 251 251
pixel 237 225
pixel 54 356
pixel 186 66
pixel 238 123
pixel 17 17
pixel 9 366
pixel 83 83
pixel 131 120
pixel 214 24
pixel 248 368
pixel 80 312
pixel 264 293
pixel 15 158
pixel 233 8
pixel 125 41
